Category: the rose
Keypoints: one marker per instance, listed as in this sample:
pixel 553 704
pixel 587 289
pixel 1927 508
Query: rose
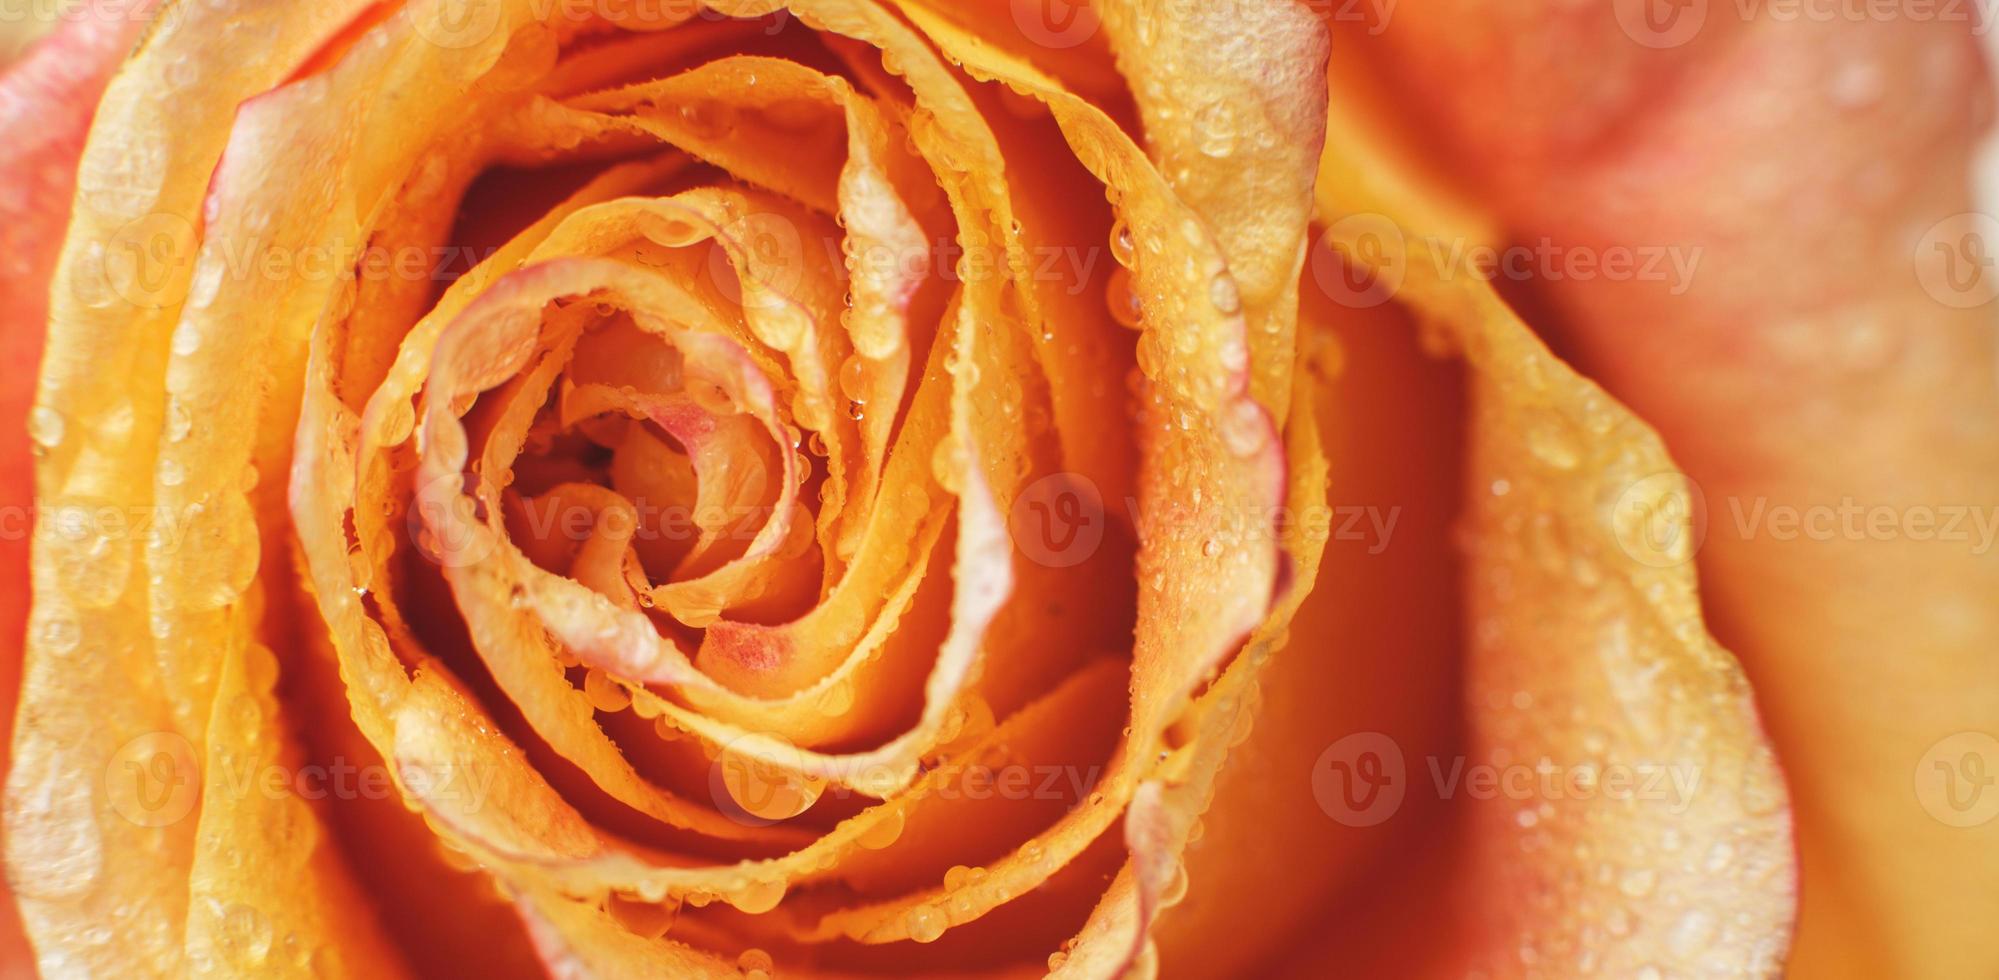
pixel 735 462
pixel 529 451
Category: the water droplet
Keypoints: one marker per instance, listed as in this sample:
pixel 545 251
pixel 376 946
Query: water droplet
pixel 45 427
pixel 1223 295
pixel 178 421
pixel 1719 856
pixel 171 474
pixel 1691 933
pixel 926 924
pixel 604 693
pixel 947 463
pixel 245 934
pixel 186 340
pixel 758 897
pixel 1638 882
pixel 855 382
pixel 754 961
pixel 1122 300
pixel 767 790
pixel 1123 248
pixel 885 831
pixel 962 877
pixel 1243 427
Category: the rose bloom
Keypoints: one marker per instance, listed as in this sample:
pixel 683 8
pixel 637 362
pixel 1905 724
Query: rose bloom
pixel 605 488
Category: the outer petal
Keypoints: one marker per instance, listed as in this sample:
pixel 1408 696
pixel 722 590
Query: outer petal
pixel 1826 361
pixel 46 102
pixel 1587 667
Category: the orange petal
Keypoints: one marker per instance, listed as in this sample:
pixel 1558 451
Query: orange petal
pixel 1821 374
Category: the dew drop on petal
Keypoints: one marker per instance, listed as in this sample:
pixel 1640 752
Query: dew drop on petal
pixel 926 924
pixel 947 463
pixel 883 832
pixel 758 897
pixel 1244 428
pixel 604 693
pixel 854 378
pixel 1123 248
pixel 768 791
pixel 755 962
pixel 1223 295
pixel 45 427
pixel 245 934
pixel 1122 299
